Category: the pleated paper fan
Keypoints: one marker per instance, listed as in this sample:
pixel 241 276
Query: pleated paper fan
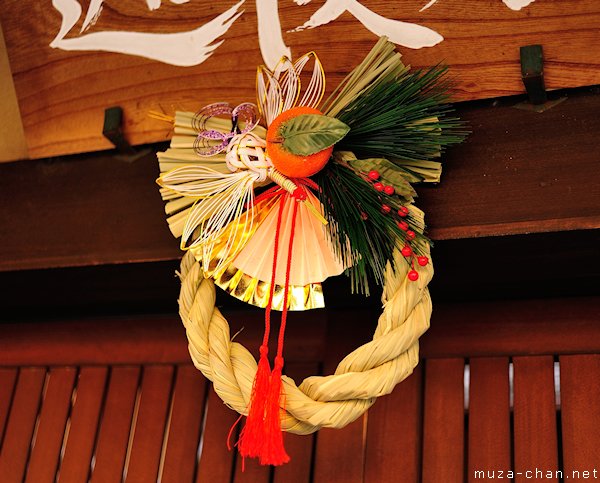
pixel 313 260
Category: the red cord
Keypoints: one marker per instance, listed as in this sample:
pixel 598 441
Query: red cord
pixel 273 273
pixel 286 288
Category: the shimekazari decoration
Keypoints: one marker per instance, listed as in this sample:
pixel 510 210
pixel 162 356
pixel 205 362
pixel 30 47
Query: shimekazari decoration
pixel 271 199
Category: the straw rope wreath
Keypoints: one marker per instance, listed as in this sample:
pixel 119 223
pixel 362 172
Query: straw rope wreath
pixel 332 401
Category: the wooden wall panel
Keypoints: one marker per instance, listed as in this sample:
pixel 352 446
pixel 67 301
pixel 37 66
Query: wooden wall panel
pixel 216 462
pixel 580 414
pixel 116 423
pixel 45 452
pixel 63 94
pixel 81 433
pixel 394 433
pixel 183 430
pixel 535 423
pixel 150 423
pixel 489 442
pixel 8 377
pixel 300 448
pixel 443 422
pixel 21 423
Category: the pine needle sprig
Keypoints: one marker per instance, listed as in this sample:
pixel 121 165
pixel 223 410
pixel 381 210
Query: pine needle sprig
pixel 361 234
pixel 408 119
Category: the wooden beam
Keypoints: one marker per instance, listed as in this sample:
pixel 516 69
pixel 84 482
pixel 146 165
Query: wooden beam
pixel 528 327
pixel 118 340
pixel 519 172
pixel 461 330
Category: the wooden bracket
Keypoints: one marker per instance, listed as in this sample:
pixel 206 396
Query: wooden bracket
pixel 532 73
pixel 113 119
pixel 113 131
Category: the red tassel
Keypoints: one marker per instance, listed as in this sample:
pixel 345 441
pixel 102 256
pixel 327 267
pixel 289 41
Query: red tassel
pixel 273 451
pixel 251 438
pixel 262 437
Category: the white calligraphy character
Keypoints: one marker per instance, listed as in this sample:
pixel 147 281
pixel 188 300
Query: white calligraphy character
pixel 180 48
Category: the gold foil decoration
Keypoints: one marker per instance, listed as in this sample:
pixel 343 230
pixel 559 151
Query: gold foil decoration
pixel 251 290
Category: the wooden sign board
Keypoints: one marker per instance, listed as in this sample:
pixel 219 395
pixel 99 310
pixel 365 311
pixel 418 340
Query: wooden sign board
pixel 63 90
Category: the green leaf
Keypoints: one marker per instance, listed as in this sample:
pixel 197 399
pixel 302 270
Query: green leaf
pixel 310 133
pixel 390 174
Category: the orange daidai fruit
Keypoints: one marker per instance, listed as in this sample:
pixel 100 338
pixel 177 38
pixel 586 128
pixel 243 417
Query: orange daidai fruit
pixel 293 165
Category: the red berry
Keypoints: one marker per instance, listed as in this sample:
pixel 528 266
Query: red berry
pixel 385 208
pixel 374 175
pixel 407 251
pixel 402 225
pixel 364 216
pixel 378 186
pixel 389 190
pixel 413 275
pixel 422 261
pixel 410 235
pixel 403 211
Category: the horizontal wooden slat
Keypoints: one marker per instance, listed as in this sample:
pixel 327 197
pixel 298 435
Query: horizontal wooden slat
pixel 117 340
pixel 524 327
pixel 456 331
pixel 481 44
pixel 514 175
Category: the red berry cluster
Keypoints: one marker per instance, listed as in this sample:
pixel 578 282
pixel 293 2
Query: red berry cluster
pixel 403 211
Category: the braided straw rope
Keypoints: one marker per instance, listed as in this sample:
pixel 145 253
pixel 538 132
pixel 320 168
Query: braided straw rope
pixel 332 401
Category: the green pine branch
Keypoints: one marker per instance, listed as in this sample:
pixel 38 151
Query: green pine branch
pixel 362 235
pixel 407 119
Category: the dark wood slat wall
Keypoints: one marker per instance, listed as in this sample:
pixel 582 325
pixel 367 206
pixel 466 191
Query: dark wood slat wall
pixel 21 423
pixel 79 446
pixel 489 416
pixel 535 422
pixel 8 378
pixel 150 423
pixel 183 430
pixel 45 452
pixel 299 448
pixel 394 433
pixel 159 419
pixel 216 464
pixel 443 421
pixel 580 414
pixel 115 426
pixel 332 446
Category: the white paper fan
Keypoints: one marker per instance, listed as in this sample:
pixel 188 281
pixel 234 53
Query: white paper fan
pixel 313 259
